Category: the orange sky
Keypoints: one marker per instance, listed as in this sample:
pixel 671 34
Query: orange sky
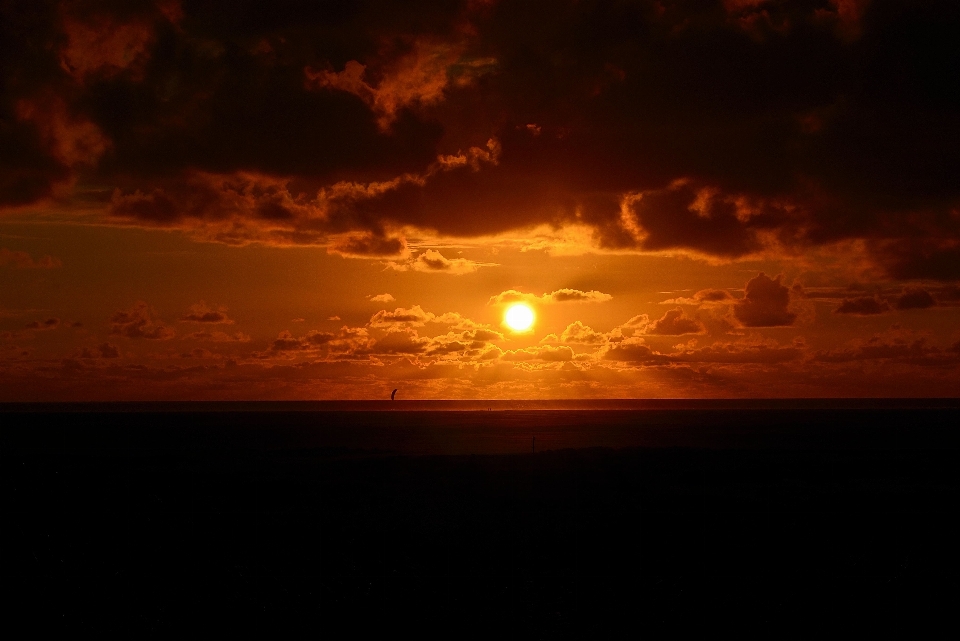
pixel 251 200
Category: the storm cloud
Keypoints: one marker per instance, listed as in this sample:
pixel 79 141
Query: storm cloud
pixel 717 129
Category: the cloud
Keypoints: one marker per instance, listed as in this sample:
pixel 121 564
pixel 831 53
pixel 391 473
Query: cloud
pixel 50 323
pixel 948 295
pixel 346 340
pixel 467 345
pixel 575 296
pixel 104 350
pixel 565 295
pixel 632 350
pixel 381 298
pixel 218 337
pixel 400 341
pixel 286 342
pixel 202 313
pixel 899 346
pixel 542 353
pixel 139 322
pixel 910 297
pixel 45 142
pixel 23 260
pixel 685 216
pixel 863 306
pixel 750 351
pixel 846 15
pixel 417 317
pixel 713 296
pixel 200 353
pixel 764 303
pixel 769 353
pixel 354 130
pixel 393 334
pixel 432 261
pixel 674 323
pixel 577 334
pixel 705 297
pixel 413 317
pixel 417 77
pixel 915 298
pixel 512 296
pixel 368 246
pixel 100 46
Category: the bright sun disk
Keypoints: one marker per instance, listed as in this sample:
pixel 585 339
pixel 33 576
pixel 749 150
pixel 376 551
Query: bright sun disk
pixel 519 317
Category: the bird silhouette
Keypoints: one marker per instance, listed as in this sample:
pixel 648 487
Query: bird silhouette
pixel 392 394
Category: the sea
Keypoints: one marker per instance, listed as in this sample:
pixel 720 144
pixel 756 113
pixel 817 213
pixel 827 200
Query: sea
pixel 649 519
pixel 453 427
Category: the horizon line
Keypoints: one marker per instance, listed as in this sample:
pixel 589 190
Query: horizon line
pixel 572 404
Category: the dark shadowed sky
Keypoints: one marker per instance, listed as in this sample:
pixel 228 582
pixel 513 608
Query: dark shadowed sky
pixel 293 199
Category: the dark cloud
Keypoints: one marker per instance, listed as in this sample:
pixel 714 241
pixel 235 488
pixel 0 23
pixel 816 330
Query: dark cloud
pixel 401 341
pixel 935 258
pixel 863 306
pixel 108 350
pixel 915 298
pixel 721 129
pixel 50 323
pixel 739 353
pixel 894 346
pixel 713 295
pixel 219 337
pixel 139 322
pixel 765 303
pixel 633 351
pixel 683 216
pixel 202 313
pixel 286 342
pixel 200 353
pixel 104 350
pixel 368 246
pixel 23 260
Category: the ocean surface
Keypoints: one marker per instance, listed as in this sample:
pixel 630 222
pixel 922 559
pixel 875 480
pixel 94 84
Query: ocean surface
pixel 381 428
pixel 612 519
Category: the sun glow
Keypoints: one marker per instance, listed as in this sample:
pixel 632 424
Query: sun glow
pixel 519 317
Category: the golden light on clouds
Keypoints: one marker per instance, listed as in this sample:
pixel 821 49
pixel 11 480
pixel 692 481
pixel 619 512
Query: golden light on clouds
pixel 431 206
pixel 519 317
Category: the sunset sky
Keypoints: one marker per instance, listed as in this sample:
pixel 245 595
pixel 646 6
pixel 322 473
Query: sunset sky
pixel 285 199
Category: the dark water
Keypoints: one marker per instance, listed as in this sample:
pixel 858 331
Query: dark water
pixel 488 427
pixel 775 519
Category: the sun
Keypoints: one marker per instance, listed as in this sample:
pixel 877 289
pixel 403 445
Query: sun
pixel 519 317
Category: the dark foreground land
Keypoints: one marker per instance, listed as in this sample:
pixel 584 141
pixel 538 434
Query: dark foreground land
pixel 772 523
